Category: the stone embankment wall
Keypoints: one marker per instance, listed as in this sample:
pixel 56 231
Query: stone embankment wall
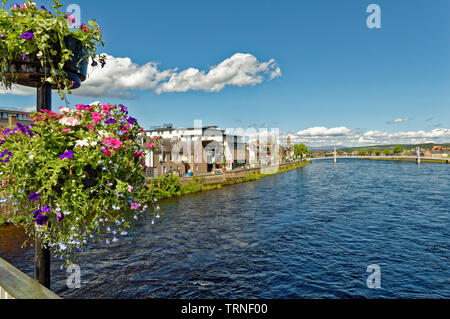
pixel 230 176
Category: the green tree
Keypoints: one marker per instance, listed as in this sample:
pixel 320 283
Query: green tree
pixel 398 149
pixel 362 153
pixel 378 152
pixel 300 150
pixel 369 151
pixel 387 151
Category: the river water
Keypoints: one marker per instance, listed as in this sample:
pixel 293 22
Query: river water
pixel 307 233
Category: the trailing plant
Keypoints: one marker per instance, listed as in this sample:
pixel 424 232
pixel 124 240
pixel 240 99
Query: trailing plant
pixel 73 174
pixel 26 30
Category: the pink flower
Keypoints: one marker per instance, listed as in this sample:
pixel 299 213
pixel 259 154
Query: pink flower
pixel 107 152
pixel 82 107
pixel 150 145
pixel 69 121
pixel 125 130
pixel 70 18
pixel 107 108
pixel 96 117
pixel 135 206
pixel 130 188
pixel 67 129
pixel 90 127
pixel 112 142
pixel 80 115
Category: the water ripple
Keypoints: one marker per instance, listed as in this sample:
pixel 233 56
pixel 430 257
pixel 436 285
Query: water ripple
pixel 308 233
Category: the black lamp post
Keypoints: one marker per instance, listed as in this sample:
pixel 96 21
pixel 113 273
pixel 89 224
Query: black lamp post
pixel 41 252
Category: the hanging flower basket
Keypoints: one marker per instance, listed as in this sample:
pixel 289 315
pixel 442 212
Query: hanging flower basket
pixel 38 46
pixel 75 173
pixel 29 71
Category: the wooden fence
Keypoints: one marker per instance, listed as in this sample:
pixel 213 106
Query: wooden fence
pixel 14 284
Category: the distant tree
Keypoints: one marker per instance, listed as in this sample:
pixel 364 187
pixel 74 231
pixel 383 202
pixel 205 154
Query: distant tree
pixel 362 153
pixel 300 150
pixel 398 149
pixel 370 152
pixel 340 152
pixel 387 151
pixel 378 152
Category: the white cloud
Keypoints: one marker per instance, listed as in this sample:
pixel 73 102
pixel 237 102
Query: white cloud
pixel 239 70
pixel 400 120
pixel 19 90
pixel 323 131
pixel 342 136
pixel 121 76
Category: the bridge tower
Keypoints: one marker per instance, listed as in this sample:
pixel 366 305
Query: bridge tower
pixel 335 155
pixel 418 155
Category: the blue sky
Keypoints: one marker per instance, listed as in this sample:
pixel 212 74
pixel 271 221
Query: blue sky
pixel 335 71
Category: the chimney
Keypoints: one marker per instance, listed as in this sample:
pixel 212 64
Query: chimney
pixel 12 119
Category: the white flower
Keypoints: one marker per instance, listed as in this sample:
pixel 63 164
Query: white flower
pixel 82 143
pixel 94 144
pixel 65 110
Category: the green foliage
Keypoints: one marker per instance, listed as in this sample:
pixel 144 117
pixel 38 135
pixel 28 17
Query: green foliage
pixel 398 149
pixel 300 150
pixel 164 186
pixel 49 31
pixel 378 152
pixel 387 151
pixel 362 153
pixel 100 180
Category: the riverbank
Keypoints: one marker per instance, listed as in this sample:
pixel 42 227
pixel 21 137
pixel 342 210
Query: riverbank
pixel 423 160
pixel 173 186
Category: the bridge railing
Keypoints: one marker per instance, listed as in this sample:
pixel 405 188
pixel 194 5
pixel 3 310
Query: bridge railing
pixel 14 284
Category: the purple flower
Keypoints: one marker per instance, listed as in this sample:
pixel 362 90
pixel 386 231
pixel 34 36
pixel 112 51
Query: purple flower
pixel 68 155
pixel 34 196
pixel 103 64
pixel 111 121
pixel 24 130
pixel 59 216
pixel 94 63
pixel 41 219
pixel 131 120
pixel 75 85
pixel 27 36
pixel 46 209
pixel 15 6
pixel 24 56
pixel 123 108
pixel 6 152
pixel 2 36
